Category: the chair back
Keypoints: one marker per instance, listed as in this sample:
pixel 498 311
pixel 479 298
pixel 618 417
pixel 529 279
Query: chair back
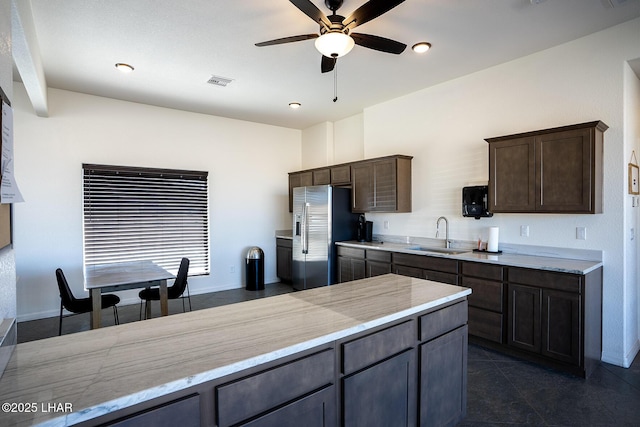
pixel 67 298
pixel 178 287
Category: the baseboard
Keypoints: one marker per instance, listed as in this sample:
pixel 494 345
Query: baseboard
pixel 624 361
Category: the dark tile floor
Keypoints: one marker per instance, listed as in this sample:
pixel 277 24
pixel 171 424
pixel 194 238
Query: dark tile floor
pixel 502 391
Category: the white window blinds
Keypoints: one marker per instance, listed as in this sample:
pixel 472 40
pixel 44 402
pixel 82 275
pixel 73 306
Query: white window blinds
pixel 146 214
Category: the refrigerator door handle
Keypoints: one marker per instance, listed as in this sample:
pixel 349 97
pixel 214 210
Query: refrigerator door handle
pixel 305 228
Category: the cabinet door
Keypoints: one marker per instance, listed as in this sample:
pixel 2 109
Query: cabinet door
pixel 563 171
pixel 384 185
pixel 524 317
pixel 350 269
pixel 561 327
pixel 443 379
pixel 376 268
pixel 301 179
pixel 382 395
pixel 362 187
pixel 341 175
pixel 283 263
pixel 512 175
pixel 316 410
pixel 321 177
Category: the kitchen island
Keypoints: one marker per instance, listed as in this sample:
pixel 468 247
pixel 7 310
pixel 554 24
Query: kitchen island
pixel 389 347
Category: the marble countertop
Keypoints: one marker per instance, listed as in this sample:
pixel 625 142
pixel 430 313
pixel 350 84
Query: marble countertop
pixel 284 234
pixel 563 265
pixel 103 370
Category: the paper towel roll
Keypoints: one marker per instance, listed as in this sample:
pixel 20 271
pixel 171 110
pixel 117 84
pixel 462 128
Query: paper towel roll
pixel 492 242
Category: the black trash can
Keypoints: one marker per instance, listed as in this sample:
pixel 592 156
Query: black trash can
pixel 255 269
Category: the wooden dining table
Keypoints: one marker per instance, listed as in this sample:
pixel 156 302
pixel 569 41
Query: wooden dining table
pixel 120 276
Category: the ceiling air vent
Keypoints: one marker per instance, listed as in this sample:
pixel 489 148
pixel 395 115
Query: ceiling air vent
pixel 219 81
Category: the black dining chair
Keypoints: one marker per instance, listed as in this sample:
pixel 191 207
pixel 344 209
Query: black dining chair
pixel 174 291
pixel 81 305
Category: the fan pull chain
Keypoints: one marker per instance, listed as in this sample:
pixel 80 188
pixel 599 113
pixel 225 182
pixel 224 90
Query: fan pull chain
pixel 335 82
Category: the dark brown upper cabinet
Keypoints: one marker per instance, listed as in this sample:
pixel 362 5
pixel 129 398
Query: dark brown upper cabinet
pixel 381 185
pixel 555 170
pixel 378 185
pixel 298 179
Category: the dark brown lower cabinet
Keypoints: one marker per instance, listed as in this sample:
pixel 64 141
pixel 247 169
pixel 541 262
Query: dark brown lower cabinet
pixel 545 321
pixel 183 412
pixel 356 263
pixel 378 263
pixel 525 314
pixel 561 326
pixel 383 394
pixel 408 372
pixel 556 318
pixel 315 410
pixel 438 269
pixel 351 268
pixel 284 248
pixel 443 379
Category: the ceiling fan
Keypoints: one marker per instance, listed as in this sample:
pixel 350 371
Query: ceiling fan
pixel 335 38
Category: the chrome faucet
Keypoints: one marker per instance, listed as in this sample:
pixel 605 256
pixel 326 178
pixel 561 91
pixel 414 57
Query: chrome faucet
pixel 447 243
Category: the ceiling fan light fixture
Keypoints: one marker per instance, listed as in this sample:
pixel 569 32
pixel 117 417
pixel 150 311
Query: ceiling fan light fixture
pixel 334 44
pixel 421 47
pixel 125 68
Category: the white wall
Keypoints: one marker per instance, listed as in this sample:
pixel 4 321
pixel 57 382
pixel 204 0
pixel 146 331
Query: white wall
pixel 632 208
pixel 444 128
pixel 348 139
pixel 317 146
pixel 248 186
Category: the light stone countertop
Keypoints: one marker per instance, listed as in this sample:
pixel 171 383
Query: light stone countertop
pixel 563 265
pixel 103 370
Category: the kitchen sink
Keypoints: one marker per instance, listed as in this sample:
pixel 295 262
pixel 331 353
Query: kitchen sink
pixel 448 251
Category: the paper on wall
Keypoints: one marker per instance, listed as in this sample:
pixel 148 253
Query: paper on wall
pixel 9 191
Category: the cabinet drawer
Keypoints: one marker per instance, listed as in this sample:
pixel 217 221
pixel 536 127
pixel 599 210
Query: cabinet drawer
pixel 486 324
pixel 546 279
pixel 437 276
pixel 287 243
pixel 382 256
pixel 184 412
pixel 315 410
pixel 341 175
pixel 486 294
pixel 372 348
pixel 426 262
pixel 485 271
pixel 350 252
pixel 439 322
pixel 248 397
pixel 408 271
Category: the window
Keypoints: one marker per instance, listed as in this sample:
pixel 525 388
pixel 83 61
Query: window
pixel 146 214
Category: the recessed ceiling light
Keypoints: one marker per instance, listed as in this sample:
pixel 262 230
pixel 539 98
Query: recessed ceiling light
pixel 421 47
pixel 295 105
pixel 125 68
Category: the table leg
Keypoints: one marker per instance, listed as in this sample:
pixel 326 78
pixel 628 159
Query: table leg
pixel 164 298
pixel 96 312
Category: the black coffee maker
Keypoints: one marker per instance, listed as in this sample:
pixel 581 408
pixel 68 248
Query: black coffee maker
pixel 365 229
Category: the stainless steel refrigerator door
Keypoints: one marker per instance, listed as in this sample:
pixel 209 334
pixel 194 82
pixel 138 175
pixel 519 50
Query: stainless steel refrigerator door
pixel 298 257
pixel 311 237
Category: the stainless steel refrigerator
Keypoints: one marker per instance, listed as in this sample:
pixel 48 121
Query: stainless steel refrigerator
pixel 321 216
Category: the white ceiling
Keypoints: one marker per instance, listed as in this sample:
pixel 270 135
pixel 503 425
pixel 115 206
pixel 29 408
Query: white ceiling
pixel 175 47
